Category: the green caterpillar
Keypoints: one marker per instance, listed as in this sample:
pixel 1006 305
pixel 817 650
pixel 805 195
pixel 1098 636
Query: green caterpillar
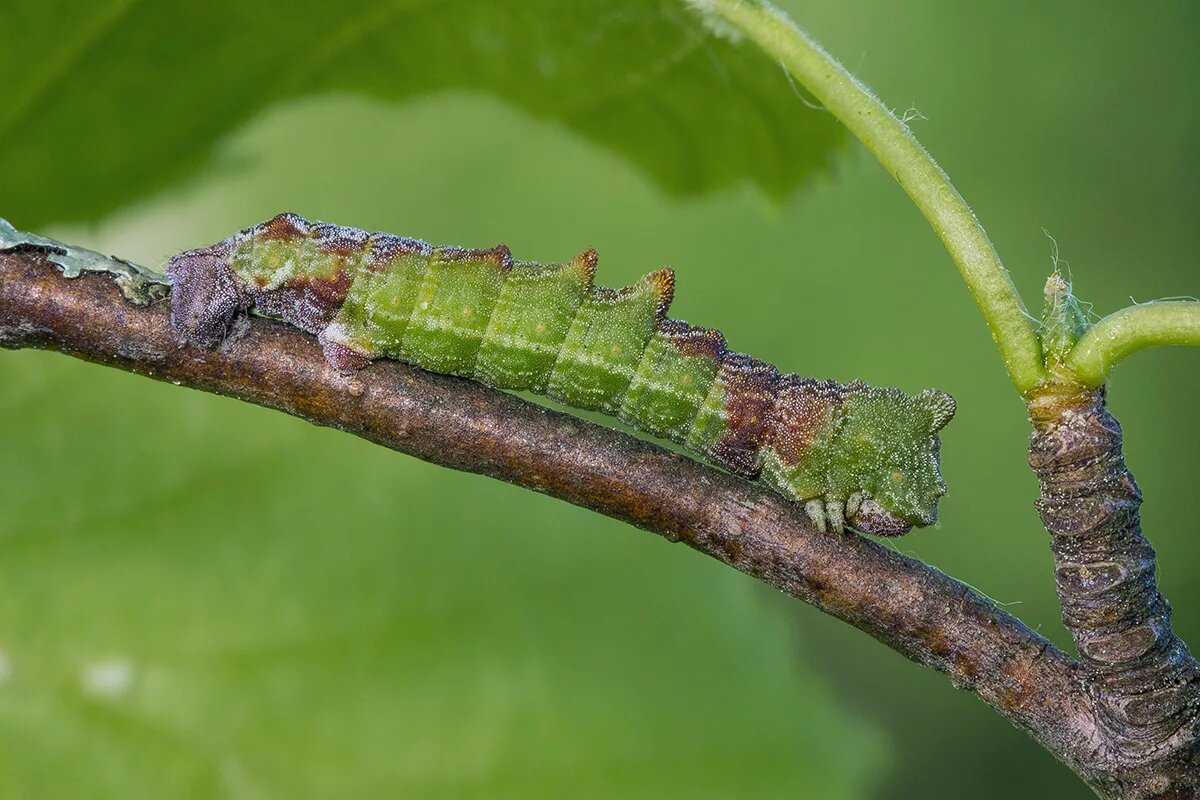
pixel 850 453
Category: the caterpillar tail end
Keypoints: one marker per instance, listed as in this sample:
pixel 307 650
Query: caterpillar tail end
pixel 205 297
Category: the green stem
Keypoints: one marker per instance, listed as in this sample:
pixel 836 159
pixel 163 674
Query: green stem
pixel 903 156
pixel 1162 324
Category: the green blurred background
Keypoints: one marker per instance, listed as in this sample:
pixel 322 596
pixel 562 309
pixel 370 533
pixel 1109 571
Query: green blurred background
pixel 205 599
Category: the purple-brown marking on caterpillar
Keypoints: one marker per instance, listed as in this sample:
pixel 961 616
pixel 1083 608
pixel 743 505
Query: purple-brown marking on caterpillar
pixel 205 294
pixel 693 341
pixel 750 387
pixel 384 248
pixel 283 227
pixel 342 358
pixel 308 302
pixel 499 255
pixel 874 519
pixel 339 241
pixel 803 408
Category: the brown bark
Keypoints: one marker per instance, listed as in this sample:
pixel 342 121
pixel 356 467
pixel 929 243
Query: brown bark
pixel 1140 677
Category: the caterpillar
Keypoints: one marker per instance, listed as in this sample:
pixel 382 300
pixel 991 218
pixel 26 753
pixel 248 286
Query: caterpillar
pixel 850 454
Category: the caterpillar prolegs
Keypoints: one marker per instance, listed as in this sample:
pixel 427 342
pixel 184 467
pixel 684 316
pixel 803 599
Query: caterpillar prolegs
pixel 849 453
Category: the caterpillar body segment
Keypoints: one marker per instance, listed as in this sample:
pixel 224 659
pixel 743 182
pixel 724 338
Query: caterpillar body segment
pixel 849 453
pixel 530 322
pixel 605 343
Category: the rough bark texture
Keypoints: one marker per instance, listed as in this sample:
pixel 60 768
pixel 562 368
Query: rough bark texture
pixel 1141 679
pixel 1133 712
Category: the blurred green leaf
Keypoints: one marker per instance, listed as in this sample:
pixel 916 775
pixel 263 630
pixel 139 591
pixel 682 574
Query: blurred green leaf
pixel 171 629
pixel 105 102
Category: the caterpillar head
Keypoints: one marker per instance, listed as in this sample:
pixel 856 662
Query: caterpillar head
pixel 205 296
pixel 890 443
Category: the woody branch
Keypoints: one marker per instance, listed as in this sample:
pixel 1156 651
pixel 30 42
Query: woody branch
pixel 909 606
pixel 1142 681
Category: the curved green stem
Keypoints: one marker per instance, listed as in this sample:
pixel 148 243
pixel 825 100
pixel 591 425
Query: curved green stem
pixel 903 156
pixel 1161 324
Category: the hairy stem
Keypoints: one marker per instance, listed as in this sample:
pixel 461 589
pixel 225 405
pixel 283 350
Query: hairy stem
pixel 911 607
pixel 914 169
pixel 1165 323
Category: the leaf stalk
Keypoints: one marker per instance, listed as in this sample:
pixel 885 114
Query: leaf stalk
pixel 1164 323
pixel 893 144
